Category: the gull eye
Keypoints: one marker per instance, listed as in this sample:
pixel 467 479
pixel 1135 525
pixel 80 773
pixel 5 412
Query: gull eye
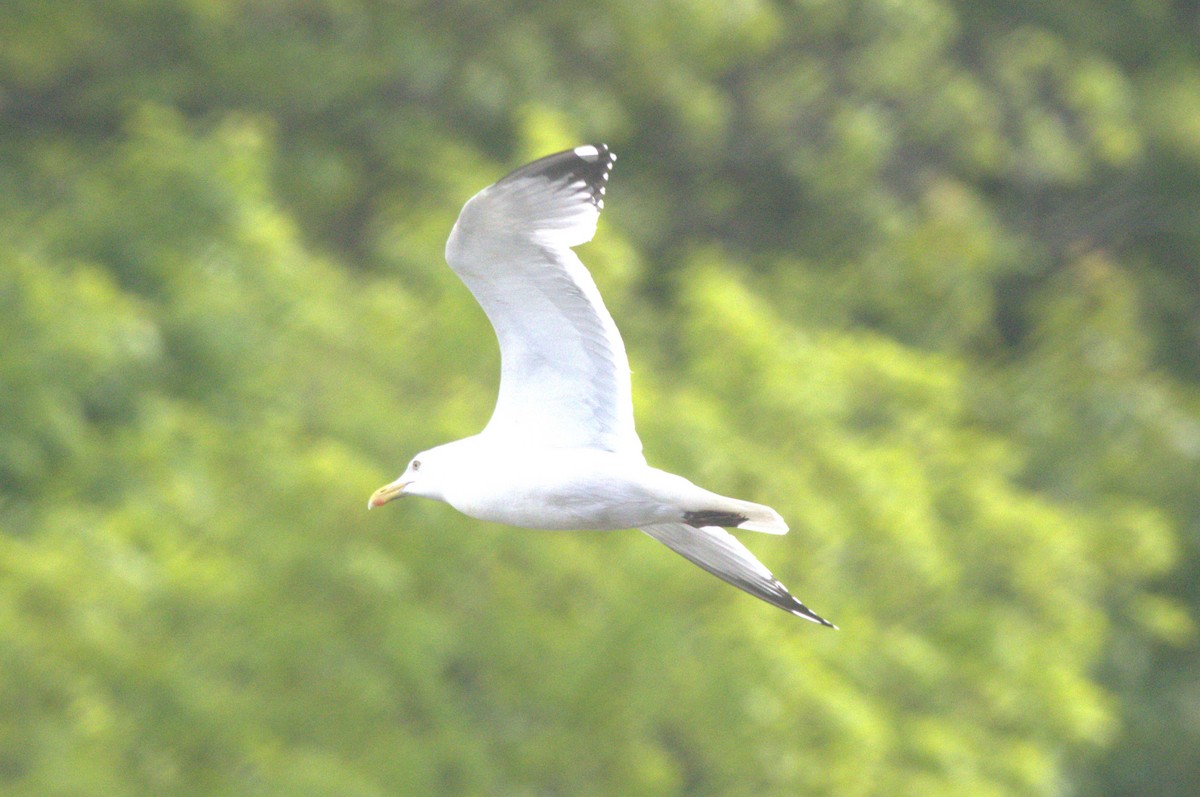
pixel 416 464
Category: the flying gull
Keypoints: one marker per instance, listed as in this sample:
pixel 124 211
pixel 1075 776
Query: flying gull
pixel 560 450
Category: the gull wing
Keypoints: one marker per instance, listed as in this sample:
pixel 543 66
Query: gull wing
pixel 564 375
pixel 721 554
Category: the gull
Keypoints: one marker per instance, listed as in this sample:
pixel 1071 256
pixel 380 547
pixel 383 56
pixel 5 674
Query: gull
pixel 560 450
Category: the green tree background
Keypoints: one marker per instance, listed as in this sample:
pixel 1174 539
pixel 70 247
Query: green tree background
pixel 922 274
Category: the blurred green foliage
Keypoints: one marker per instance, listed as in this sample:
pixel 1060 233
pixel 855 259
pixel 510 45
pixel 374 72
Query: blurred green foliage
pixel 922 275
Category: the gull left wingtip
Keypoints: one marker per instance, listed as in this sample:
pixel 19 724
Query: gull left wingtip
pixel 806 613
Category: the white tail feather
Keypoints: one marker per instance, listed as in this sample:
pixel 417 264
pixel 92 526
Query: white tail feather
pixel 760 518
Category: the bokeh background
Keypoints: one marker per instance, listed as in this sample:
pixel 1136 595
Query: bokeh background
pixel 922 274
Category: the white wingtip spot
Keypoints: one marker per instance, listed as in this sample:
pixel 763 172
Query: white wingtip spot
pixel 587 152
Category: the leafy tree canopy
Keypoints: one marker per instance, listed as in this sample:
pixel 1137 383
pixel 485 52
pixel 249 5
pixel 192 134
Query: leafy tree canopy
pixel 921 275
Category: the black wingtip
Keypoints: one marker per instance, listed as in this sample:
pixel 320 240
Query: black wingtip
pixel 800 610
pixel 815 618
pixel 779 596
pixel 587 163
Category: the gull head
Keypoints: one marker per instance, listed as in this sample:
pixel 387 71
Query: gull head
pixel 423 477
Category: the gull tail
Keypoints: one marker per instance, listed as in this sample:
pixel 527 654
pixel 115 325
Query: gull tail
pixel 736 514
pixel 720 553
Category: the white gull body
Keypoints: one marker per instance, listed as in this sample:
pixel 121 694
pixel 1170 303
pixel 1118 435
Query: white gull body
pixel 560 450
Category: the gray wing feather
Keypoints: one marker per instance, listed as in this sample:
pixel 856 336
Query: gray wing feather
pixel 721 554
pixel 564 374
